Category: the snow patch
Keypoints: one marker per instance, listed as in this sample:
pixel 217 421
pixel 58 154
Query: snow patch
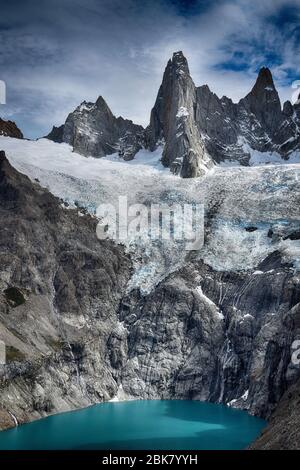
pixel 182 112
pixel 244 398
pixel 209 301
pixel 120 396
pixel 14 418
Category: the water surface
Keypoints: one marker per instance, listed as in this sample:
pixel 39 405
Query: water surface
pixel 158 424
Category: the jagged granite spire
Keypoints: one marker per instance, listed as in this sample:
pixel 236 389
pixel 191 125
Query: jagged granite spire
pixel 93 130
pixel 297 104
pixel 264 102
pixel 176 68
pixel 264 81
pixel 172 120
pixel 288 109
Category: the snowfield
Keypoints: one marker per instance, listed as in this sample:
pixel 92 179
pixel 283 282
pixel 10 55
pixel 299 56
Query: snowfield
pixel 264 197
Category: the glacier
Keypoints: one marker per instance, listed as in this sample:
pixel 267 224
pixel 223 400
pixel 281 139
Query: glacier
pixel 265 195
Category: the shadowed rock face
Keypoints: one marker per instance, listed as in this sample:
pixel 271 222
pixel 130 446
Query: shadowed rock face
pixel 10 129
pixel 283 431
pixel 263 102
pixel 56 134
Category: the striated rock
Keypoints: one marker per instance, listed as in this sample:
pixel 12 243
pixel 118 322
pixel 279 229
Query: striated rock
pixel 215 336
pixel 10 129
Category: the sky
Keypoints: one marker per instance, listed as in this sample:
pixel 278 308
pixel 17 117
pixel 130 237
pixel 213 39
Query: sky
pixel 56 53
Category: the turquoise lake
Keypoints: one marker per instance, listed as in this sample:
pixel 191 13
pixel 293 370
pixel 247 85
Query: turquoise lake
pixel 148 425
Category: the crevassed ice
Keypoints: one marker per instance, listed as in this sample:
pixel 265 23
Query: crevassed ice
pixel 261 195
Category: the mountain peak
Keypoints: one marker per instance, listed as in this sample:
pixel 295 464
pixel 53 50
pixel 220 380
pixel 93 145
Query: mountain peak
pixel 179 62
pixel 263 101
pixel 10 129
pixel 101 103
pixel 178 56
pixel 265 72
pixel 264 81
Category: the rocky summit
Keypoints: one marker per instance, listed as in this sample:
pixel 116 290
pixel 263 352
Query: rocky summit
pixel 10 129
pixel 93 130
pixel 196 128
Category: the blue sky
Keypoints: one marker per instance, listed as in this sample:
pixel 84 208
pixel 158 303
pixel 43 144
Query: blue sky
pixel 56 53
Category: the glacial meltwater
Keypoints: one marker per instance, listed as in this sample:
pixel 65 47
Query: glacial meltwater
pixel 148 425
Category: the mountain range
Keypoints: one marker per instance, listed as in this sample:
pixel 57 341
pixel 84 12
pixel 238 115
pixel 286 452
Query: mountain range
pixel 196 127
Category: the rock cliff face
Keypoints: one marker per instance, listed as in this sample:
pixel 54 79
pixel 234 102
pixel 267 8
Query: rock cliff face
pixel 93 130
pixel 173 121
pixel 10 129
pixel 59 294
pixel 283 431
pixel 214 336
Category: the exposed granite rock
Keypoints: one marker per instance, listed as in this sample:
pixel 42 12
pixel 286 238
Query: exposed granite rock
pixel 218 336
pixel 263 103
pixel 172 120
pixel 283 431
pixel 10 129
pixel 93 130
